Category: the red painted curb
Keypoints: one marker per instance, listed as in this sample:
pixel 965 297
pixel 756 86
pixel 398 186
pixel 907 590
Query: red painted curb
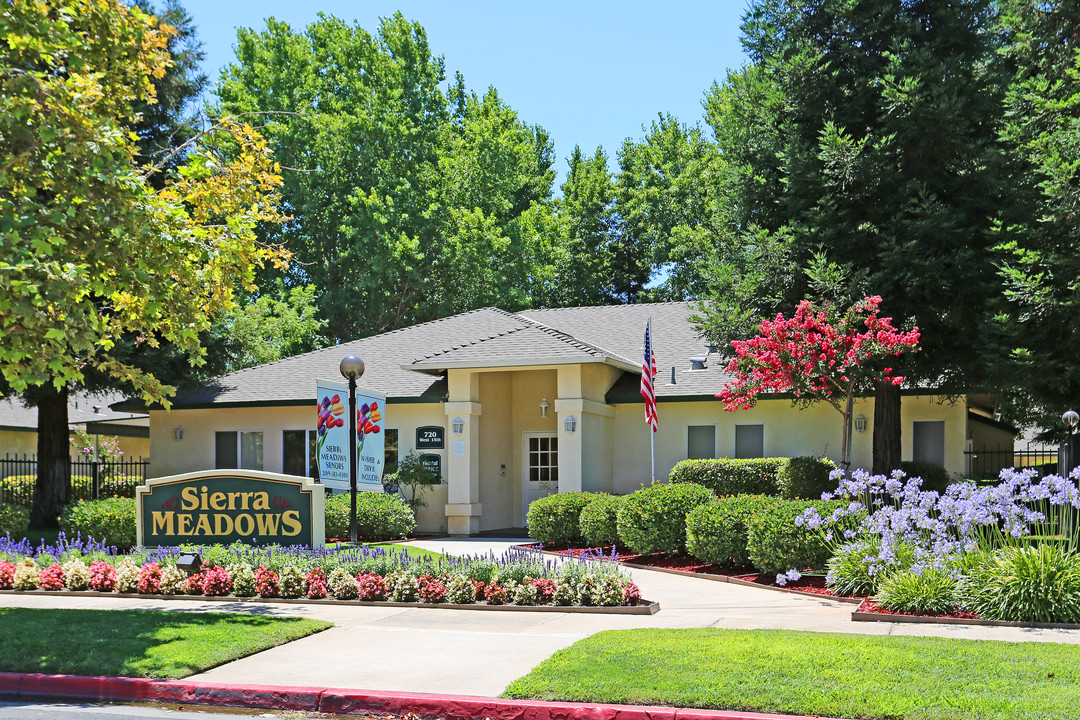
pixel 24 686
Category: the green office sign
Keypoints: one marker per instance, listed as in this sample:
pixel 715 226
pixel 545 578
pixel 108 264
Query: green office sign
pixel 226 506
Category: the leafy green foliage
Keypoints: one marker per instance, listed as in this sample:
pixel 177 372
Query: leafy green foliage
pixel 930 592
pixel 653 519
pixel 599 520
pixel 412 479
pixel 850 567
pixel 111 521
pixel 805 478
pixel 14 519
pixel 279 323
pixel 934 477
pixel 1025 583
pixel 776 544
pixel 726 476
pixel 379 516
pixel 409 199
pixel 716 531
pixel 555 518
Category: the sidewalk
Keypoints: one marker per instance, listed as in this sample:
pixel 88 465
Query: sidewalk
pixel 470 652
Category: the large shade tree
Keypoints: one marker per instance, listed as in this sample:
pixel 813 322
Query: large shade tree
pixel 875 152
pixel 90 249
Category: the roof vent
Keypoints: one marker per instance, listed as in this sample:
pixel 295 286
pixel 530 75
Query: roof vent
pixel 698 363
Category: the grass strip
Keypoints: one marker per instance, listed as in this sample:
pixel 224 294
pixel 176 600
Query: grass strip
pixel 137 643
pixel 807 673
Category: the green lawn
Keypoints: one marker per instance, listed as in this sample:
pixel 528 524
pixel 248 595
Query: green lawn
pixel 137 643
pixel 837 675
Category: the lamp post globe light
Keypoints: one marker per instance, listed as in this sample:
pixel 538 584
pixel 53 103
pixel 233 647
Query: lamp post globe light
pixel 351 368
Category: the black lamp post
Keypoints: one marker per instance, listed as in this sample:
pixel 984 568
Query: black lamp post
pixel 1070 418
pixel 351 368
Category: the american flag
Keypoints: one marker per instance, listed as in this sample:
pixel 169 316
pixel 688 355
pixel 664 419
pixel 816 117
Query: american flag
pixel 648 374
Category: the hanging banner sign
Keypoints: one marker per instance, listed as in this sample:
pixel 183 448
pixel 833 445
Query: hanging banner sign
pixel 332 445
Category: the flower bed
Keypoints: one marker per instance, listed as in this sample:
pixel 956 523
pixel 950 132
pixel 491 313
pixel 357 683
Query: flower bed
pixel 520 578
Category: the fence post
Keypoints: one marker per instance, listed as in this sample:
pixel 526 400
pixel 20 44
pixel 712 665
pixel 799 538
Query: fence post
pixel 95 480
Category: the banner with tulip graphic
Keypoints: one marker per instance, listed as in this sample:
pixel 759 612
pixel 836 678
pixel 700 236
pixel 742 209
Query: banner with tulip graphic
pixel 332 445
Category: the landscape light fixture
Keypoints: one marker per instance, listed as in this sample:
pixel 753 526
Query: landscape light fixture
pixel 570 424
pixel 351 368
pixel 1070 418
pixel 458 425
pixel 544 407
pixel 189 562
pixel 860 423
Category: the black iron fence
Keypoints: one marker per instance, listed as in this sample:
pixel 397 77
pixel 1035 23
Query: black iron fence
pixel 987 463
pixel 90 479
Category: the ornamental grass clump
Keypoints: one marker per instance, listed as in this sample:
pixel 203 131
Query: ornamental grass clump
pixel 930 592
pixel 858 567
pixel 1024 583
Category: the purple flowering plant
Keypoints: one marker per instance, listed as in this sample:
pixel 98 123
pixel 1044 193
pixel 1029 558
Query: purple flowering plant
pixel 893 513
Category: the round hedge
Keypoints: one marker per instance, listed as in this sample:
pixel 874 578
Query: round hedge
pixel 111 520
pixel 806 478
pixel 731 476
pixel 14 520
pixel 653 519
pixel 716 531
pixel 599 520
pixel 554 519
pixel 379 516
pixel 776 544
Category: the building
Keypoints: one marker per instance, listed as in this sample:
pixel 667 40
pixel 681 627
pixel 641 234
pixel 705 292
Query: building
pixel 92 413
pixel 531 403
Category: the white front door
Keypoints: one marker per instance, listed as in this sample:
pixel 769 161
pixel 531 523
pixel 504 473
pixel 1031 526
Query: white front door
pixel 539 467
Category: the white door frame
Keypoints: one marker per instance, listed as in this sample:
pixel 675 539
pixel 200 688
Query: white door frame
pixel 527 495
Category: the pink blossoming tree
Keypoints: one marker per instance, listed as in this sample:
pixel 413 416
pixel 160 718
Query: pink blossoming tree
pixel 818 354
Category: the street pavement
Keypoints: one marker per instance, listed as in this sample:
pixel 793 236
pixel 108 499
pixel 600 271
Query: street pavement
pixel 472 652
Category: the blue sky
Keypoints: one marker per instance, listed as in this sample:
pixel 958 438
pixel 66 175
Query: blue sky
pixel 591 73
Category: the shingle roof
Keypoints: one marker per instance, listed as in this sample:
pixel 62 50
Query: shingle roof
pixel 612 333
pixel 82 408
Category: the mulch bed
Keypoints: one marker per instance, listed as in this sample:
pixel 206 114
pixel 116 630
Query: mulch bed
pixel 869 606
pixel 682 562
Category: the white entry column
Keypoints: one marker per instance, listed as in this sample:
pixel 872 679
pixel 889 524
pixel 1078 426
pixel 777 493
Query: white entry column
pixel 463 467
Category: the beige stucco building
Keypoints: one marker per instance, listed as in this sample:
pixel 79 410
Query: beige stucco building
pixel 92 413
pixel 531 403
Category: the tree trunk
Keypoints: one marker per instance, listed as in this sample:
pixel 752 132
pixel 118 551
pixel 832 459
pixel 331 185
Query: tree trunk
pixel 53 459
pixel 886 428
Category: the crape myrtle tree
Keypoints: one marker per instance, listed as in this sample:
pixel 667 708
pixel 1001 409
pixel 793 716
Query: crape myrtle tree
pixel 90 250
pixel 408 200
pixel 819 355
pixel 875 151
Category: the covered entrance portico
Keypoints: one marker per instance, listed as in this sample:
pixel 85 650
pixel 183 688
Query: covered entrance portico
pixel 521 429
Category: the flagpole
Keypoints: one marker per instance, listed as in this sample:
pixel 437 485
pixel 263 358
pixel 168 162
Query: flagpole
pixel 652 432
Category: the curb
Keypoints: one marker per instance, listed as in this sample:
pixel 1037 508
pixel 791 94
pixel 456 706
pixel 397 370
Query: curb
pixel 27 686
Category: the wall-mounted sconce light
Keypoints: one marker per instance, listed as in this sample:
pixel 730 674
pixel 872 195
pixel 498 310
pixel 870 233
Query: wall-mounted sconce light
pixel 458 425
pixel 178 433
pixel 544 408
pixel 570 424
pixel 860 423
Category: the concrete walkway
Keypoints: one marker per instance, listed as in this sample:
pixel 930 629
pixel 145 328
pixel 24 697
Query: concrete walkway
pixel 470 652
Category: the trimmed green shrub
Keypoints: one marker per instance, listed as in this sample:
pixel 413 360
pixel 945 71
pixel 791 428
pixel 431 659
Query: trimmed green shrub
pixel 776 544
pixel 716 531
pixel 14 519
pixel 805 478
pixel 929 592
pixel 653 519
pixel 727 476
pixel 110 520
pixel 599 521
pixel 934 477
pixel 19 489
pixel 1026 584
pixel 379 516
pixel 555 518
